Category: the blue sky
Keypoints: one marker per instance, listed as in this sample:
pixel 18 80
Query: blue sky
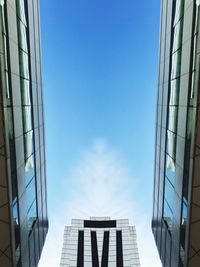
pixel 100 81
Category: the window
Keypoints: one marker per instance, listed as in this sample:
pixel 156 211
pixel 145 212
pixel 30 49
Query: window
pixel 174 92
pixel 171 144
pixel 28 144
pixel 29 169
pixel 176 64
pixel 170 169
pixel 178 10
pixel 177 36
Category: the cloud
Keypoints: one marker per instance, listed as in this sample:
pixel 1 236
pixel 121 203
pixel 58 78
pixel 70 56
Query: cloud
pixel 99 184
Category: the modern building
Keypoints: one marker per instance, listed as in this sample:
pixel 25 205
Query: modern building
pixel 176 208
pixel 100 242
pixel 23 207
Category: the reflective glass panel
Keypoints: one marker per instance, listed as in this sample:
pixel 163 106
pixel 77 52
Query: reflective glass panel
pixel 171 144
pixel 174 92
pixel 184 213
pixel 176 64
pixel 16 228
pixel 179 10
pixel 28 144
pixel 27 118
pixel 169 193
pixel 24 64
pixel 21 10
pixel 15 212
pixel 177 37
pixel 9 122
pixel 29 169
pixel 25 89
pixel 170 169
pixel 22 36
pixel 172 118
pixel 30 194
pixel 183 229
pixel 190 122
pixel 168 215
pixel 32 215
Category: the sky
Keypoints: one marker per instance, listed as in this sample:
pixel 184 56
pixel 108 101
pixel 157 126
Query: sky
pixel 100 62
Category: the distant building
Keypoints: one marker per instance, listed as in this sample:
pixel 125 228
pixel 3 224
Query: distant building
pixel 176 212
pixel 100 242
pixel 23 208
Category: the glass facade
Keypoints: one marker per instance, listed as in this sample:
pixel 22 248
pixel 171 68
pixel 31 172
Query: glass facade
pixel 23 219
pixel 100 242
pixel 176 209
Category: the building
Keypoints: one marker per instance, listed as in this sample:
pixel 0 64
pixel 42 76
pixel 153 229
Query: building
pixel 100 242
pixel 23 208
pixel 176 208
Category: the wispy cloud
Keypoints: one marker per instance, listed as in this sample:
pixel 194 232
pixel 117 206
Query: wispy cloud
pixel 100 184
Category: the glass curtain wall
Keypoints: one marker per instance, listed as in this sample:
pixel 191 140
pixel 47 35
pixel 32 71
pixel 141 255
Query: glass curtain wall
pixel 173 102
pixel 27 110
pixel 8 113
pixel 192 103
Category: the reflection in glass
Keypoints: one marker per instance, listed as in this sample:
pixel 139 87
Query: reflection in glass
pixel 29 169
pixel 183 228
pixel 22 36
pixel 176 64
pixel 30 193
pixel 24 65
pixel 170 169
pixel 25 89
pixel 168 215
pixel 174 92
pixel 16 228
pixel 169 193
pixel 28 144
pixel 32 215
pixel 21 10
pixel 27 118
pixel 179 10
pixel 190 122
pixel 171 144
pixel 172 118
pixel 177 36
pixel 10 123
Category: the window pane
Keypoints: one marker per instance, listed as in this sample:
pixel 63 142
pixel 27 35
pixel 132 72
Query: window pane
pixel 24 65
pixel 170 169
pixel 179 10
pixel 174 92
pixel 22 36
pixel 29 169
pixel 172 118
pixel 25 89
pixel 176 65
pixel 177 36
pixel 32 215
pixel 171 144
pixel 27 118
pixel 29 144
pixel 169 193
pixel 21 10
pixel 168 215
pixel 30 194
pixel 9 122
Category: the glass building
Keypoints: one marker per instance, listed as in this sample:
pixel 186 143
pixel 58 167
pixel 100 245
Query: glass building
pixel 176 208
pixel 23 208
pixel 100 242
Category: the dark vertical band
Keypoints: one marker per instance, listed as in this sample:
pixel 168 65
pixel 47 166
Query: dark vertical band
pixel 119 250
pixel 80 256
pixel 95 258
pixel 104 261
